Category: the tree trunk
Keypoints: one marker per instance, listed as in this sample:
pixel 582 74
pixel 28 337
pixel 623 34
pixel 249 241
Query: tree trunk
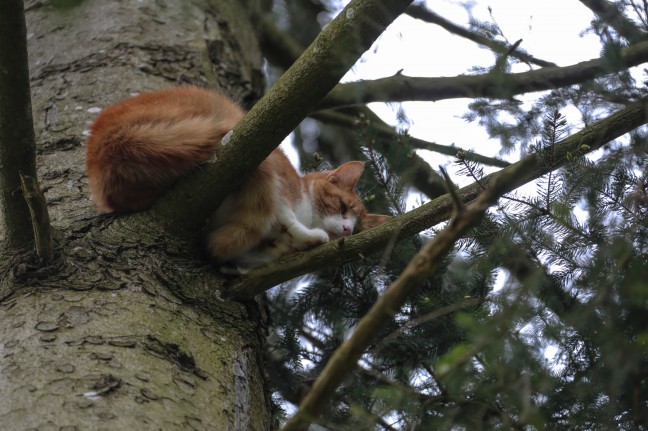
pixel 112 335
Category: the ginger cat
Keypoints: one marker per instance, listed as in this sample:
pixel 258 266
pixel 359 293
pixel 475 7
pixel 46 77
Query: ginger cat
pixel 140 146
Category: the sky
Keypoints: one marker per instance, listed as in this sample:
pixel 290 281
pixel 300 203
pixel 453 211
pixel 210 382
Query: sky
pixel 549 30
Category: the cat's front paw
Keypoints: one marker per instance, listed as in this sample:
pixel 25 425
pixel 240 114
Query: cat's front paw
pixel 310 238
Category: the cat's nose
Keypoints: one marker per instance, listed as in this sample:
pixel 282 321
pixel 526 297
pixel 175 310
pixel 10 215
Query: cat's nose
pixel 346 230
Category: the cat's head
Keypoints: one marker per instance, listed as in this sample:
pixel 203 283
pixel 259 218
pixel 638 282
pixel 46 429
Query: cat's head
pixel 340 209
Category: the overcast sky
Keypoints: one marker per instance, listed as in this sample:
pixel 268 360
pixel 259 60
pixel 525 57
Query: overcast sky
pixel 550 30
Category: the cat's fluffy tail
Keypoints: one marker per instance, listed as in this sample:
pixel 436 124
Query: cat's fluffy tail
pixel 139 147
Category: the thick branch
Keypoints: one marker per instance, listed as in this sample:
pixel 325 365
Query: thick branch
pixel 295 94
pixel 353 248
pixel 424 14
pixel 17 147
pixel 400 88
pixel 421 266
pixel 610 14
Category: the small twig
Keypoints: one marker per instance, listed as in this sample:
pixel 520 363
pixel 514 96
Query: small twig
pixel 456 200
pixel 39 217
pixel 501 61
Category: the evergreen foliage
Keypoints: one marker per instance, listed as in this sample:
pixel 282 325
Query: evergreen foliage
pixel 539 317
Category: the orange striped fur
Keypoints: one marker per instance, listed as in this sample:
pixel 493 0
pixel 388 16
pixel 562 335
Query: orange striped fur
pixel 140 146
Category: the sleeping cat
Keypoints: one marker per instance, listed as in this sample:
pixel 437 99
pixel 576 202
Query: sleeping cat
pixel 140 146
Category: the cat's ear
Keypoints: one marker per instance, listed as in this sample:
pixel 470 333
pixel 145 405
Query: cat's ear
pixel 347 175
pixel 372 220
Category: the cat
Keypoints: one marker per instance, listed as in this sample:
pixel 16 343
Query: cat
pixel 138 147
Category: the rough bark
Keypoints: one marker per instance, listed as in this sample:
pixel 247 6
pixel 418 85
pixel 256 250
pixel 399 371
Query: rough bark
pixel 111 336
pixel 17 152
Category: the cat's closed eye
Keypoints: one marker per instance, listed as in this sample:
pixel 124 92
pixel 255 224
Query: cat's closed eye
pixel 343 208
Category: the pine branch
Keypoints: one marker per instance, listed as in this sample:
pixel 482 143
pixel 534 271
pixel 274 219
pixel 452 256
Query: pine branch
pixel 350 249
pixel 424 14
pixel 612 16
pixel 424 264
pixel 526 269
pixel 296 93
pixel 399 88
pixel 428 317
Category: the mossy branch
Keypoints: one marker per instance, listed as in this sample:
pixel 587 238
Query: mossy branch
pixel 353 248
pixel 400 88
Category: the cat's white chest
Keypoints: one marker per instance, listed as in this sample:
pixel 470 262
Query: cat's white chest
pixel 303 211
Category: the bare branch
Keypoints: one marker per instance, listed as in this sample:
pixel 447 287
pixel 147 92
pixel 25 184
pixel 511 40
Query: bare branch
pixel 385 131
pixel 424 14
pixel 400 88
pixel 277 45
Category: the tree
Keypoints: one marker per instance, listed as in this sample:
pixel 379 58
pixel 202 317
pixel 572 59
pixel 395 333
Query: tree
pixel 129 327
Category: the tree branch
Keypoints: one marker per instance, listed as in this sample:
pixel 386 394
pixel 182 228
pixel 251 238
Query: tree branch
pixel 283 50
pixel 400 88
pixel 17 141
pixel 424 14
pixel 385 131
pixel 419 173
pixel 610 14
pixel 514 258
pixel 296 93
pixel 349 249
pixel 424 264
pixel 39 217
